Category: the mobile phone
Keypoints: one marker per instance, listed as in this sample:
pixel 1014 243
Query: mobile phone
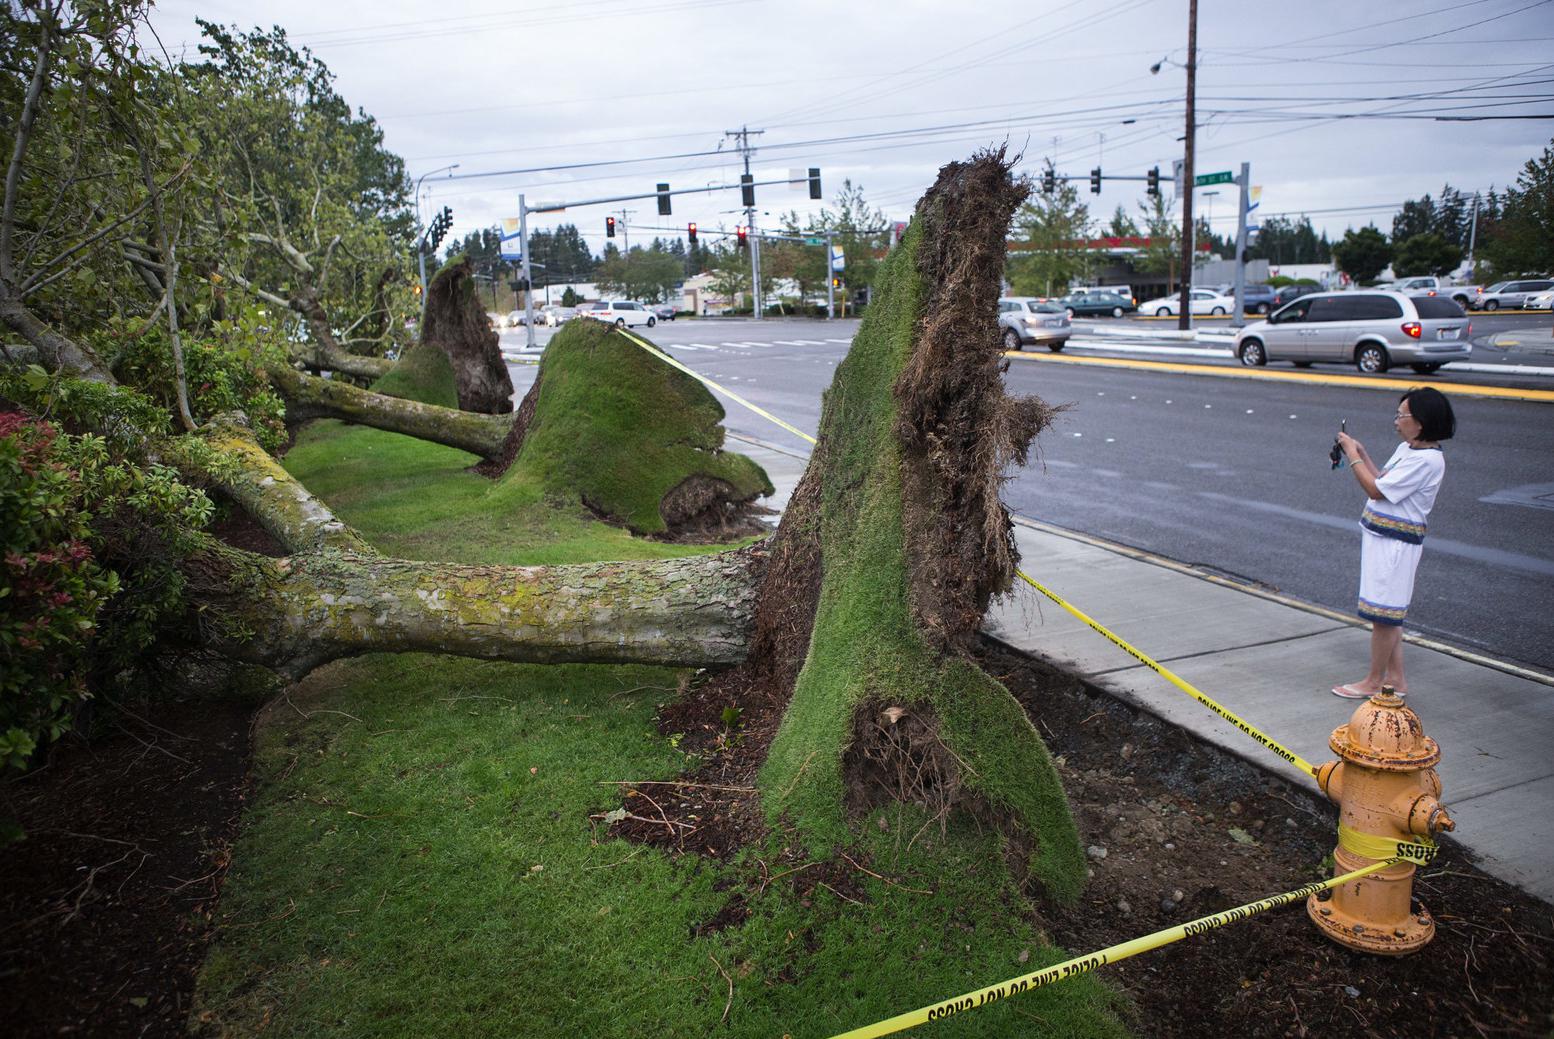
pixel 1337 453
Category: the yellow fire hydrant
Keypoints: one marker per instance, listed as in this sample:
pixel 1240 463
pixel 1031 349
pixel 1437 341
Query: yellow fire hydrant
pixel 1388 800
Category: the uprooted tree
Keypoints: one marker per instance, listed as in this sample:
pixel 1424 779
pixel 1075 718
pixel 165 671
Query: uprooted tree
pixel 854 621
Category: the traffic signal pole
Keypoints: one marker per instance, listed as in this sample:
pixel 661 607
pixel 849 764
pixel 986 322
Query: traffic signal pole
pixel 1242 210
pixel 528 283
pixel 1184 321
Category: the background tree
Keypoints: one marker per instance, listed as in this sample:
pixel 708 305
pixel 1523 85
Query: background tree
pixel 1426 254
pixel 1163 254
pixel 650 274
pixel 1050 232
pixel 1362 254
pixel 1122 225
pixel 860 229
pixel 1283 240
pixel 730 269
pixel 1519 238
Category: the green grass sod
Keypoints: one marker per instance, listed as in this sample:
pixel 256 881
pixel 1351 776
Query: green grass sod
pixel 418 859
pixel 865 644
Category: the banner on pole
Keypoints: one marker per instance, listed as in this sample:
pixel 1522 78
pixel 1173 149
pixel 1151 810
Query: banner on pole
pixel 512 239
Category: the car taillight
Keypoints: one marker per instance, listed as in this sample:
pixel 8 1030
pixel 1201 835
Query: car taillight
pixel 1411 329
pixel 1469 332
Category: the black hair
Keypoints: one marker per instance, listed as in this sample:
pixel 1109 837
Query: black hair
pixel 1432 411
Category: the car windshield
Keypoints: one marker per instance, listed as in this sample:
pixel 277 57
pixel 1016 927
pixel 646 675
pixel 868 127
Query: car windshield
pixel 1046 308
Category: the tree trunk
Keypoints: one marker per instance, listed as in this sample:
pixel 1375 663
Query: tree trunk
pixel 309 397
pixel 294 614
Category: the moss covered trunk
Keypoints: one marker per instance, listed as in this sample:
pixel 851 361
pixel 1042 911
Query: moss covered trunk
pixel 294 614
pixel 309 397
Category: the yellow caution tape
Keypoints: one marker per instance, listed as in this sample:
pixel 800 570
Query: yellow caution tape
pixel 1267 741
pixel 1369 846
pixel 730 394
pixel 1083 964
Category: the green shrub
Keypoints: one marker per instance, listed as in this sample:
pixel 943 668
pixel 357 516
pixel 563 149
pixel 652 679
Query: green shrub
pixel 89 572
pixel 224 371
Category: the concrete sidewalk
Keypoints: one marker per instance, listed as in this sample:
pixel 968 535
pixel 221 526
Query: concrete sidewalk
pixel 1272 661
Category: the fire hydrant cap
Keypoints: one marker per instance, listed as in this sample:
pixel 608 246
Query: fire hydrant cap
pixel 1384 734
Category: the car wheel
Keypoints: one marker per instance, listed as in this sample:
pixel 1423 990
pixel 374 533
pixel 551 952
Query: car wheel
pixel 652 321
pixel 1162 311
pixel 1070 312
pixel 1217 312
pixel 1057 345
pixel 1116 312
pixel 1491 304
pixel 1371 359
pixel 1011 340
pixel 620 322
pixel 1426 369
pixel 1261 308
pixel 1252 353
pixel 1301 364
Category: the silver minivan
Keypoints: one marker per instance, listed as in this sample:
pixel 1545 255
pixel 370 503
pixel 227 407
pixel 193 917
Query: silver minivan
pixel 1371 330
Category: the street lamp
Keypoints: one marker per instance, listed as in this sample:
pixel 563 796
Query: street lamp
pixel 419 252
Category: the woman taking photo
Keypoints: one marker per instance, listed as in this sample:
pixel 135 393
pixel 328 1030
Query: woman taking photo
pixel 1392 528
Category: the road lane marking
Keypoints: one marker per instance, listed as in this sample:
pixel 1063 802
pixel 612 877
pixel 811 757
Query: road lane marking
pixel 1317 378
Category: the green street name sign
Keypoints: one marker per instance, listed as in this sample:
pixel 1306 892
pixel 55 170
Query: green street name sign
pixel 1213 178
pixel 814 241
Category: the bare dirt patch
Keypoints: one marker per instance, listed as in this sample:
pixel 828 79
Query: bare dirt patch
pixel 1161 804
pixel 106 906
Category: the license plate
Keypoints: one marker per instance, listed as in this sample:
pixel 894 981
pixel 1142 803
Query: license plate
pixel 1447 333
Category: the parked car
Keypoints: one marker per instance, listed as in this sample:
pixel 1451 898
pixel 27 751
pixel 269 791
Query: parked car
pixel 1373 330
pixel 1256 297
pixel 621 312
pixel 1430 285
pixel 1093 304
pixel 554 315
pixel 1510 293
pixel 1204 301
pixel 1286 293
pixel 1030 320
pixel 1125 291
pixel 663 311
pixel 1539 300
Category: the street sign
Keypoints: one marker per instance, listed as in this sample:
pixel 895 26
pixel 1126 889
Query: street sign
pixel 1176 176
pixel 814 241
pixel 1213 178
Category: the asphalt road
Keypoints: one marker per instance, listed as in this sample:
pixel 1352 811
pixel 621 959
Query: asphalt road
pixel 1228 474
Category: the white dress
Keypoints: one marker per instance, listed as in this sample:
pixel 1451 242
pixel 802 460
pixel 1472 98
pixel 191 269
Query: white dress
pixel 1393 531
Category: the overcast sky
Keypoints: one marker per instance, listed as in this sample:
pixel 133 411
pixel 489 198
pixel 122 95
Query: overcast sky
pixel 884 93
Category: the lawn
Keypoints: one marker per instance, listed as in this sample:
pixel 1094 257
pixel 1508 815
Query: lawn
pixel 424 852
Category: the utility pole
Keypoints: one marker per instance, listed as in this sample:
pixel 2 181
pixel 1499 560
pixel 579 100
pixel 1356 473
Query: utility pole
pixel 1184 320
pixel 1473 239
pixel 745 149
pixel 1242 208
pixel 626 214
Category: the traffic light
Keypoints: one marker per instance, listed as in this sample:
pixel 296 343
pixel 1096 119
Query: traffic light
pixel 836 283
pixel 746 190
pixel 663 200
pixel 1154 181
pixel 609 227
pixel 1049 181
pixel 691 232
pixel 1095 181
pixel 814 182
pixel 743 234
pixel 439 227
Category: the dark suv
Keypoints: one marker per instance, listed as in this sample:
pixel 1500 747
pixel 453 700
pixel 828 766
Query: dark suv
pixel 1289 292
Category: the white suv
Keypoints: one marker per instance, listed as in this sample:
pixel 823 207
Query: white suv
pixel 623 313
pixel 1026 319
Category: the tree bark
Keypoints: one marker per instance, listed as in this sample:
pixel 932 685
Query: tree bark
pixel 309 397
pixel 295 614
